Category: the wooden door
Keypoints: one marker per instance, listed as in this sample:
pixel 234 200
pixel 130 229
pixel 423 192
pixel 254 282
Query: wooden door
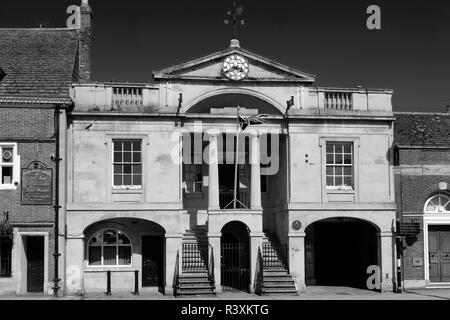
pixel 35 264
pixel 439 253
pixel 153 261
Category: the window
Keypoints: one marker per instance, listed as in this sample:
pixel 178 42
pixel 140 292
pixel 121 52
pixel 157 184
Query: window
pixel 193 176
pixel 5 257
pixel 193 162
pixel 264 179
pixel 109 247
pixel 9 166
pixel 438 204
pixel 127 164
pixel 339 169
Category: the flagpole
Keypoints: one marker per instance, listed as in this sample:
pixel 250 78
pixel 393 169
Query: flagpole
pixel 236 166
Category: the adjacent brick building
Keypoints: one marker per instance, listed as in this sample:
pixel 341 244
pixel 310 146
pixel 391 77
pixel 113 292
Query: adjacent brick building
pixel 422 180
pixel 37 67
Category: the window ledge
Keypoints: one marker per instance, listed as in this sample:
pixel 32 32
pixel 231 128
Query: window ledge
pixel 340 190
pixel 8 187
pixel 127 191
pixel 94 269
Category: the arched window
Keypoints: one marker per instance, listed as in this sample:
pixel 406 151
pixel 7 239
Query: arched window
pixel 439 203
pixel 109 247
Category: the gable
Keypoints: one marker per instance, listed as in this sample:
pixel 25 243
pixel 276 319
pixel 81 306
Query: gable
pixel 210 68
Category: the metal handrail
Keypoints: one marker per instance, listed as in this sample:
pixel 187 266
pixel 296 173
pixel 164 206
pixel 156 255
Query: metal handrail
pixel 211 267
pixel 259 286
pixel 176 275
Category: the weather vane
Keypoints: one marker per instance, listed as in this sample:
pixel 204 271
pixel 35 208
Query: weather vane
pixel 235 16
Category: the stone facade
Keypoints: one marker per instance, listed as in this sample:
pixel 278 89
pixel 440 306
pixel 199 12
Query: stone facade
pixel 304 123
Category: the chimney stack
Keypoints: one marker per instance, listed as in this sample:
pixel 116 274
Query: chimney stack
pixel 85 54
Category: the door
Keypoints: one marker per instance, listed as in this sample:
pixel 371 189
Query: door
pixel 153 261
pixel 35 264
pixel 439 253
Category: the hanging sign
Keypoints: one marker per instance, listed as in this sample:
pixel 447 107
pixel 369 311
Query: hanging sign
pixel 37 184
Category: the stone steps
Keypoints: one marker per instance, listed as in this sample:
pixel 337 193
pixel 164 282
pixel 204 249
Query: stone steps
pixel 195 280
pixel 276 277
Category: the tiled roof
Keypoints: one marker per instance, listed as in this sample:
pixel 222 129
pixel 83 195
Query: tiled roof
pixel 422 129
pixel 37 62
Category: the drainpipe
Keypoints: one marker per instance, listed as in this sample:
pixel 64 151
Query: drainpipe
pixel 57 206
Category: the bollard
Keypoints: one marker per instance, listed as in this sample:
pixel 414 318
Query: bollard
pixel 108 283
pixel 136 283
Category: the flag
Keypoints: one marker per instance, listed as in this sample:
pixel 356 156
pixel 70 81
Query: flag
pixel 253 120
pixel 240 10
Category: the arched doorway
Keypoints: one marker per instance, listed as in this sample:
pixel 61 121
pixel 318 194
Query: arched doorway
pixel 338 252
pixel 123 245
pixel 235 257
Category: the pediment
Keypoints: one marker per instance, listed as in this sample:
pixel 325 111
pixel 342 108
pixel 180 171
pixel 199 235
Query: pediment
pixel 210 68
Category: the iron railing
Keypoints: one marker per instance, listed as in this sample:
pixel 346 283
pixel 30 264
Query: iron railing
pixel 211 267
pixel 226 199
pixel 259 283
pixel 176 275
pixel 235 271
pixel 109 273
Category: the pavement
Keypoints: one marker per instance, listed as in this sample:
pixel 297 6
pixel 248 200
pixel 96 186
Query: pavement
pixel 311 293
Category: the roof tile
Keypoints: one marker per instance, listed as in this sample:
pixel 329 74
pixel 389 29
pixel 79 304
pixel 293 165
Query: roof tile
pixel 37 62
pixel 420 129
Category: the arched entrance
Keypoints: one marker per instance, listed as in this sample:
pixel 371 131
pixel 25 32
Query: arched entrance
pixel 121 246
pixel 235 257
pixel 338 252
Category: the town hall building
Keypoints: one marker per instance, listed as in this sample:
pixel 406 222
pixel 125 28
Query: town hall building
pixel 231 172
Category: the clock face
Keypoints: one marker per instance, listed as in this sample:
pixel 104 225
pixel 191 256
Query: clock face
pixel 235 67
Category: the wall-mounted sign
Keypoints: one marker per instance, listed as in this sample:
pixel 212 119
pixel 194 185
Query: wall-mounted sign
pixel 296 225
pixel 408 229
pixel 37 186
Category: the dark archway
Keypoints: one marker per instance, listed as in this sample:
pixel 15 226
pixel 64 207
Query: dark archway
pixel 338 252
pixel 232 100
pixel 235 257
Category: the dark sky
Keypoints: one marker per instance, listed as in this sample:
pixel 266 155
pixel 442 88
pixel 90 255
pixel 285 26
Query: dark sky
pixel 411 54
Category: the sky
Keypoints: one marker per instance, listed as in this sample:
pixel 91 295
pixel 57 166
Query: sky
pixel 133 38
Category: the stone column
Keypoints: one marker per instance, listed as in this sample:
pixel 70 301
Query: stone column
pixel 213 186
pixel 173 246
pixel 75 266
pixel 297 259
pixel 256 242
pixel 255 160
pixel 214 242
pixel 386 249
